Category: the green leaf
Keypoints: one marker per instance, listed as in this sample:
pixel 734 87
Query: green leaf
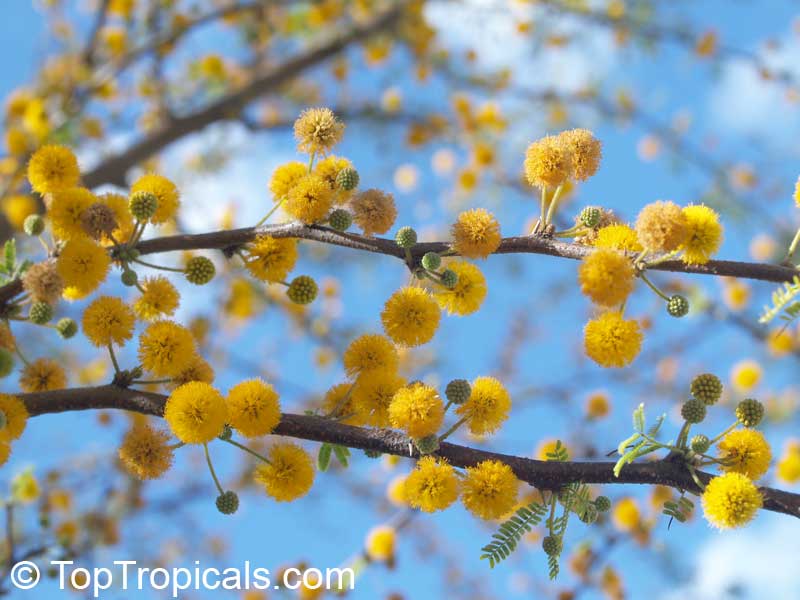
pixel 629 456
pixel 638 418
pixel 324 457
pixel 342 454
pixel 623 445
pixel 653 431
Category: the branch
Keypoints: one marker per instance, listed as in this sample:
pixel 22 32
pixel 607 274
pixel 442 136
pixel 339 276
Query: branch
pixel 540 474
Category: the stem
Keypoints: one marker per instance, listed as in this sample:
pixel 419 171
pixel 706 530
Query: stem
pixel 653 287
pixel 793 245
pixel 176 445
pixel 683 435
pixel 311 161
pixel 724 433
pixel 113 357
pixel 270 213
pixel 151 381
pixel 211 468
pixel 152 266
pixel 249 451
pixel 453 429
pixel 551 211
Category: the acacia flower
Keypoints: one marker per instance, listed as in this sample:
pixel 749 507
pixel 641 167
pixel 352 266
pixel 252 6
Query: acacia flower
pixel 42 375
pixel 417 409
pixel 490 489
pixel 196 412
pixel 467 295
pixel 704 234
pixel 380 542
pixel 373 211
pixel 53 168
pixel 285 177
pixel 410 317
pixel 328 169
pixel 606 277
pixel 617 236
pixel 108 320
pixel 271 259
pixel 166 348
pixel 65 209
pixel 487 407
pixel 373 394
pixel 43 282
pixel 253 408
pixel 611 341
pixel 368 353
pixel 122 216
pixel 317 130
pixel 476 233
pixel 745 451
pixel 198 370
pixel 289 474
pixel 82 265
pixel 309 200
pixel 586 151
pixel 661 226
pixel 158 300
pixel 163 189
pixel 145 451
pixel 548 162
pixel 432 485
pixel 339 401
pixel 15 417
pixel 731 500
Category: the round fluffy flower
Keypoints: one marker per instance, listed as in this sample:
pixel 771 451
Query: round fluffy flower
pixel 745 451
pixel 43 282
pixel 285 177
pixel 730 501
pixel 746 374
pixel 548 162
pixel 476 233
pixel 16 417
pixel 490 489
pixel 329 169
pixel 704 234
pixel 42 375
pixel 417 409
pixel 467 295
pixel 289 474
pixel 661 226
pixel 166 348
pixel 380 542
pixel 122 215
pixel 338 401
pixel 198 370
pixel 432 485
pixel 17 208
pixel 374 211
pixel 410 316
pixel 159 299
pixel 253 408
pixel 487 407
pixel 373 394
pixel 317 130
pixel 788 467
pixel 271 259
pixel 65 210
pixel 370 352
pixel 108 320
pixel 626 515
pixel 586 152
pixel 53 168
pixel 82 266
pixel 163 189
pixel 309 200
pixel 145 451
pixel 611 341
pixel 617 236
pixel 606 277
pixel 196 412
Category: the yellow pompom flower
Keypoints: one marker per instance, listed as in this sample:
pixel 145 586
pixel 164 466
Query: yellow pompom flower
pixel 487 407
pixel 163 189
pixel 433 485
pixel 586 151
pixel 780 342
pixel 285 177
pixel 317 130
pixel 145 451
pixel 606 277
pixel 53 168
pixel 374 211
pixel 166 348
pixel 42 375
pixel 704 234
pixel 417 409
pixel 548 162
pixel 65 209
pixel 338 401
pixel 328 169
pixel 597 405
pixel 270 259
pixel 15 417
pixel 253 408
pixel 661 226
pixel 745 375
pixel 788 467
pixel 626 514
pixel 18 207
pixel 476 233
pixel 618 236
pixel 373 394
pixel 309 200
pixel 467 295
pixel 82 265
pixel 490 489
pixel 122 215
pixel 160 299
pixel 611 341
pixel 196 412
pixel 368 353
pixel 108 320
pixel 198 370
pixel 379 545
pixel 289 474
pixel 745 451
pixel 410 317
pixel 730 501
pixel 24 487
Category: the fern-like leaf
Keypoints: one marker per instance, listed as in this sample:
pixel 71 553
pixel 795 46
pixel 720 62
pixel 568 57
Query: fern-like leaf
pixel 511 531
pixel 783 300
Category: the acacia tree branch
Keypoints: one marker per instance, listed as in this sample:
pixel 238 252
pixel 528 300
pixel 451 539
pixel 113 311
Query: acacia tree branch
pixel 540 474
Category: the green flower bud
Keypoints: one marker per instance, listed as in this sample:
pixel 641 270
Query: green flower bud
pixel 700 443
pixel 340 219
pixel 40 313
pixel 199 270
pixel 431 261
pixel 694 411
pixel 603 503
pixel 589 515
pixel 551 545
pixel 143 205
pixel 302 290
pixel 449 279
pixel 228 502
pixel 67 328
pixel 33 225
pixel 6 363
pixel 706 387
pixel 590 216
pixel 458 391
pixel 227 433
pixel 406 237
pixel 750 412
pixel 678 306
pixel 129 278
pixel 427 445
pixel 347 179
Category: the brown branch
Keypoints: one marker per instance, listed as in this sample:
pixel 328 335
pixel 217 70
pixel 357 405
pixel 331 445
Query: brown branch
pixel 540 474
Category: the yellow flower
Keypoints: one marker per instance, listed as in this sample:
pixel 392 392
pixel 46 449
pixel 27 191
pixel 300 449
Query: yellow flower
pixel 745 451
pixel 374 211
pixel 198 370
pixel 373 394
pixel 730 501
pixel 83 265
pixel 122 215
pixel 253 408
pixel 289 474
pixel 379 545
pixel 396 491
pixel 145 451
pixel 18 207
pixel 788 467
pixel 617 236
pixel 548 162
pixel 735 294
pixel 309 200
pixel 65 209
pixel 586 151
pixel 467 295
pixel 328 169
pixel 490 489
pixel 606 277
pixel 780 342
pixel 417 409
pixel 410 317
pixel 43 282
pixel 16 417
pixel 431 486
pixel 285 178
pixel 626 515
pixel 196 412
pixel 24 487
pixel 271 259
pixel 597 405
pixel 487 407
pixel 745 375
pixel 704 234
pixel 661 227
pixel 338 401
pixel 53 168
pixel 368 353
pixel 476 233
pixel 611 341
pixel 159 299
pixel 108 320
pixel 163 189
pixel 166 348
pixel 317 130
pixel 42 375
pixel 5 452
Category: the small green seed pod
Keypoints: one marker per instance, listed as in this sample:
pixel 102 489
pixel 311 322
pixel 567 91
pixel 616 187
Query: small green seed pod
pixel 406 237
pixel 431 261
pixel 302 290
pixel 678 306
pixel 750 412
pixel 706 387
pixel 458 391
pixel 33 225
pixel 700 443
pixel 228 502
pixel 340 219
pixel 67 328
pixel 40 313
pixel 694 411
pixel 347 179
pixel 143 205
